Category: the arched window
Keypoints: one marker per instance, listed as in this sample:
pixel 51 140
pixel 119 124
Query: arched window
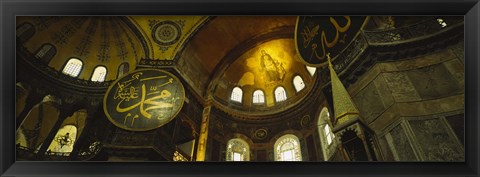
pixel 237 150
pixel 46 52
pixel 64 140
pixel 237 94
pixel 73 67
pixel 280 94
pixel 311 70
pixel 298 83
pixel 287 148
pixel 122 69
pixel 258 96
pixel 25 31
pixel 325 133
pixel 99 74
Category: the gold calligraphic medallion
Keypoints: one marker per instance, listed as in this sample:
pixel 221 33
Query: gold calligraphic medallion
pixel 317 36
pixel 144 100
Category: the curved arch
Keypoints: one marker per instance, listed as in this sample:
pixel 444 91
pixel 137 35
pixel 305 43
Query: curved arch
pixel 64 140
pixel 25 31
pixel 258 97
pixel 237 150
pixel 287 148
pixel 46 52
pixel 123 69
pixel 73 67
pixel 280 94
pixel 99 74
pixel 237 94
pixel 327 137
pixel 298 83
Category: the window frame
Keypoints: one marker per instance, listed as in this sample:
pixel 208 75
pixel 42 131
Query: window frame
pixel 241 95
pixel 66 63
pixel 295 86
pixel 275 94
pixel 243 155
pixel 279 152
pixel 47 61
pixel 93 72
pixel 264 97
pixel 29 37
pixel 118 69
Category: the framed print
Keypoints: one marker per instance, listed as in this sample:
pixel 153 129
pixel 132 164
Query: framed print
pixel 256 88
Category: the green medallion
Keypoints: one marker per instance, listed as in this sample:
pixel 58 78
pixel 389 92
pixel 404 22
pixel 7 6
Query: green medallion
pixel 317 36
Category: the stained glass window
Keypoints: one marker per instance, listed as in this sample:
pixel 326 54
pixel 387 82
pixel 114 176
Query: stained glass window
pixel 237 150
pixel 287 148
pixel 73 67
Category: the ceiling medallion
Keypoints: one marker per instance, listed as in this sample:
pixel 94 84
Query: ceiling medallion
pixel 260 133
pixel 144 100
pixel 305 121
pixel 166 33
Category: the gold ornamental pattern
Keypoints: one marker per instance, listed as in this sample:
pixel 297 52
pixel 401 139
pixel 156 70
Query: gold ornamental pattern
pixel 144 100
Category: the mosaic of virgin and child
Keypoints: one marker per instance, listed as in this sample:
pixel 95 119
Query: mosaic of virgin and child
pixel 273 69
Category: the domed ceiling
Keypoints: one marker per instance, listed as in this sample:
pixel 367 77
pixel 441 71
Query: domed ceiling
pixel 96 41
pixel 221 40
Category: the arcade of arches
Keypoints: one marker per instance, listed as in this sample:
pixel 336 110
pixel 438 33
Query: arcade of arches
pixel 248 95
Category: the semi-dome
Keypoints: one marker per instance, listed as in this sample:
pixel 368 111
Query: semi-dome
pixel 264 78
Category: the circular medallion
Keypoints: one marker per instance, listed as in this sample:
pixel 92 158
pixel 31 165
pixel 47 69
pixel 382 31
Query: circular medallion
pixel 319 36
pixel 305 121
pixel 166 33
pixel 260 133
pixel 144 100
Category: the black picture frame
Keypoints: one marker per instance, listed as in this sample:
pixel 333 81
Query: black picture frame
pixel 10 9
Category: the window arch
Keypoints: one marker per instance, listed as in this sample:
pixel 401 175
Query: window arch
pixel 325 133
pixel 46 52
pixel 287 148
pixel 99 74
pixel 64 140
pixel 237 150
pixel 25 31
pixel 122 69
pixel 73 67
pixel 258 96
pixel 298 83
pixel 237 94
pixel 311 70
pixel 280 94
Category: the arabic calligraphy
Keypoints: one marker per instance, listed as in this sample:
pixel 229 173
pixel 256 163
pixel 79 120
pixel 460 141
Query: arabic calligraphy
pixel 144 100
pixel 317 36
